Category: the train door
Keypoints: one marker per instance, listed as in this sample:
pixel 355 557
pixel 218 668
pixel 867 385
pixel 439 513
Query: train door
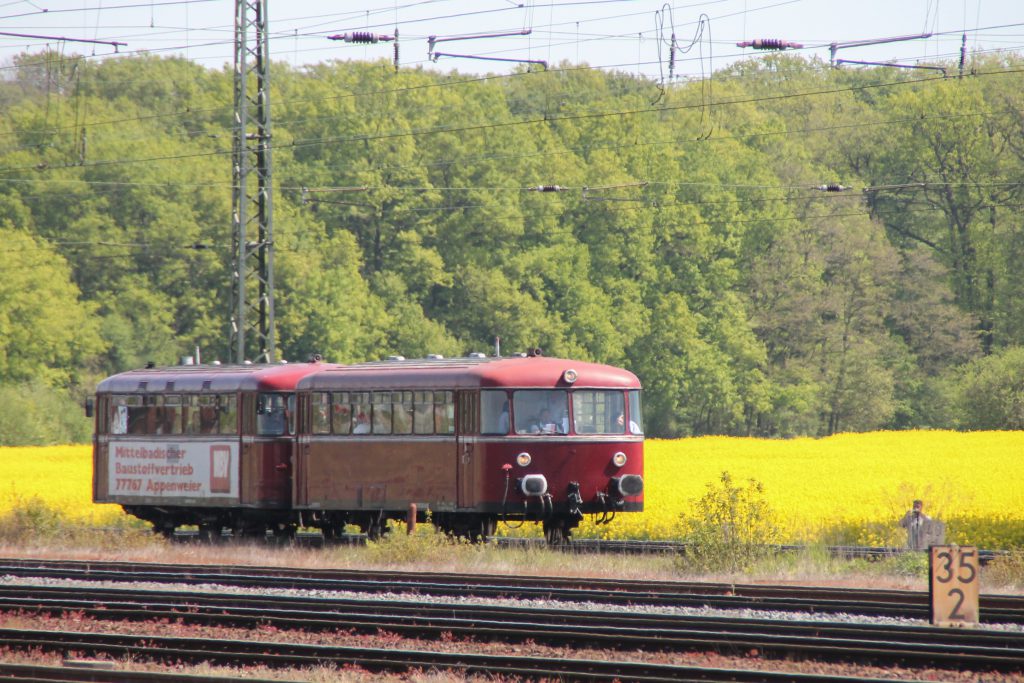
pixel 467 410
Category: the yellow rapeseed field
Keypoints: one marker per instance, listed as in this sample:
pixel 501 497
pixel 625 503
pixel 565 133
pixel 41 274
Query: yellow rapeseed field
pixel 60 476
pixel 849 488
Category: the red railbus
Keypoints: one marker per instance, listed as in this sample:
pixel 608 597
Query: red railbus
pixel 474 441
pixel 206 445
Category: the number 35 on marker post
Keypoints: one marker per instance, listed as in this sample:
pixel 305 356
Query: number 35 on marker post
pixel 954 585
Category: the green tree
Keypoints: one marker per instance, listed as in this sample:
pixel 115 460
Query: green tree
pixel 990 391
pixel 47 334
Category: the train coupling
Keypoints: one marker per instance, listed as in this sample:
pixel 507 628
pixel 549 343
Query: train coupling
pixel 575 500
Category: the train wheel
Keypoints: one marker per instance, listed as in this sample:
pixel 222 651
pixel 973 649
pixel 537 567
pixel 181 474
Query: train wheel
pixel 483 529
pixel 333 530
pixel 249 532
pixel 210 532
pixel 374 527
pixel 283 533
pixel 165 529
pixel 557 532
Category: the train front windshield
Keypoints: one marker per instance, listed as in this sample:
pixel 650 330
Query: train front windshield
pixel 547 411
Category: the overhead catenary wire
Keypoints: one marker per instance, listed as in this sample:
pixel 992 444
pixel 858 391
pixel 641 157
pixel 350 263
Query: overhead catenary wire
pixel 546 120
pixel 291 33
pixel 442 84
pixel 432 85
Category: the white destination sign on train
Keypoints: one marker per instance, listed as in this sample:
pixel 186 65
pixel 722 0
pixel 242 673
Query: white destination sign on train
pixel 173 470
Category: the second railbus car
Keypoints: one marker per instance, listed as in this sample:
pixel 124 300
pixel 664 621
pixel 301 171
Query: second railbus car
pixel 473 440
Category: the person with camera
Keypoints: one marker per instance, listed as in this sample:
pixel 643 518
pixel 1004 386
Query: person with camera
pixel 915 522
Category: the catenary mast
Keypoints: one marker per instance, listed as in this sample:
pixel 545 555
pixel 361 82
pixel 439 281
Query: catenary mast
pixel 252 316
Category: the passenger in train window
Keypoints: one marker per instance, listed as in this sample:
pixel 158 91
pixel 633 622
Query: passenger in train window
pixel 321 413
pixel 560 419
pixel 444 412
pixel 208 419
pixel 544 424
pixel 634 428
pixel 341 419
pixel 503 419
pixel 362 424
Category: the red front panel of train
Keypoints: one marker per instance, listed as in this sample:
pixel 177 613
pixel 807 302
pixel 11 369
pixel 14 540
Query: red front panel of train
pixel 560 461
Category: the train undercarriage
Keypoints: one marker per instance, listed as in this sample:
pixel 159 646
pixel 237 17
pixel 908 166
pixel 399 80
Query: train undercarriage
pixel 215 524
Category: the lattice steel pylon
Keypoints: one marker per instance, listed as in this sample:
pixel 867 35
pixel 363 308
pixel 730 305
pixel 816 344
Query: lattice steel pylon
pixel 252 320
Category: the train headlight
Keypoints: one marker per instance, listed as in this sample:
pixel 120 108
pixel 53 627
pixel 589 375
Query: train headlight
pixel 523 459
pixel 619 459
pixel 629 485
pixel 569 376
pixel 533 485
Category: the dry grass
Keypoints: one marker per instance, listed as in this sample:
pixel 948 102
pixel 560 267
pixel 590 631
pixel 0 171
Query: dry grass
pixel 813 567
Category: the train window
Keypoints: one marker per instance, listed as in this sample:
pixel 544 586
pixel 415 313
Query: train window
pixel 423 412
pixel 120 407
pixel 636 421
pixel 444 412
pixel 401 406
pixel 272 414
pixel 341 412
pixel 209 416
pixel 361 410
pixel 140 413
pixel 227 406
pixel 382 412
pixel 169 414
pixel 118 415
pixel 320 408
pixel 190 409
pixel 598 412
pixel 494 412
pixel 541 411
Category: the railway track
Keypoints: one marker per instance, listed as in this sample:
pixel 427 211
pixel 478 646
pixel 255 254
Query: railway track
pixel 584 546
pixel 894 603
pixel 278 655
pixel 613 628
pixel 882 645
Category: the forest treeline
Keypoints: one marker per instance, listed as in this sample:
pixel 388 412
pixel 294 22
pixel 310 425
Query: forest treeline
pixel 786 249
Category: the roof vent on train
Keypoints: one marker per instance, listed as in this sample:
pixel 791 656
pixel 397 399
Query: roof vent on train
pixel 534 352
pixel 396 357
pixel 315 358
pixel 434 356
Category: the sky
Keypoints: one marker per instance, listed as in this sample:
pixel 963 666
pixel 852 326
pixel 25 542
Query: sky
pixel 626 35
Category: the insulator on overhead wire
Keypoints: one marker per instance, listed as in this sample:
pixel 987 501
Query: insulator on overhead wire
pixel 396 48
pixel 546 188
pixel 362 37
pixel 833 187
pixel 770 44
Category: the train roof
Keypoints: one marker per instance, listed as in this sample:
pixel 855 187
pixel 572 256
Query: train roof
pixel 212 378
pixel 523 372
